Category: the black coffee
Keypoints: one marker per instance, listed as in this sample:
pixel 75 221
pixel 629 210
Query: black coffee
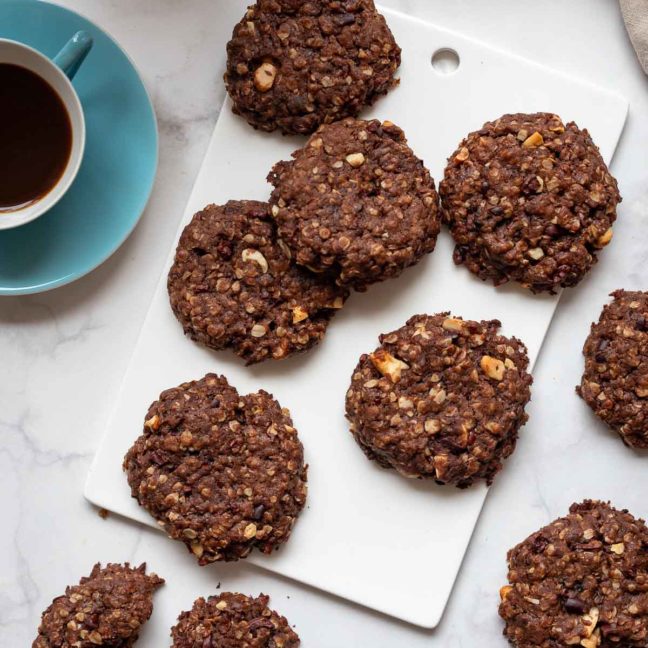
pixel 35 137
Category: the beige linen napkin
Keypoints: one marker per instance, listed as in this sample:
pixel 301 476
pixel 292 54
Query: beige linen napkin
pixel 635 14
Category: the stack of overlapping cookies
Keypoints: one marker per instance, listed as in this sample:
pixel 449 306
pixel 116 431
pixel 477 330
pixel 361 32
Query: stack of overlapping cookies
pixel 527 199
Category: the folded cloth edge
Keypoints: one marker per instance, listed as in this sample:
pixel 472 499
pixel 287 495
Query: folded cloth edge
pixel 635 15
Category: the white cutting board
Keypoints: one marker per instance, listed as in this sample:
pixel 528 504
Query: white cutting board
pixel 368 535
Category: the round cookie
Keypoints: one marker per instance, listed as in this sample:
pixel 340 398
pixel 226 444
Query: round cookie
pixel 233 285
pixel 106 608
pixel 221 472
pixel 441 398
pixel 529 199
pixel 356 203
pixel 615 380
pixel 293 65
pixel 233 620
pixel 580 581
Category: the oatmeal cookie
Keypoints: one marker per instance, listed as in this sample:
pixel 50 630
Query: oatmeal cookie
pixel 356 203
pixel 580 581
pixel 233 621
pixel 615 381
pixel 529 199
pixel 441 398
pixel 221 472
pixel 293 65
pixel 106 608
pixel 233 285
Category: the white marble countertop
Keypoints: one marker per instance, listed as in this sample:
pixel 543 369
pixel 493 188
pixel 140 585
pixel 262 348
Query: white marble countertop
pixel 63 354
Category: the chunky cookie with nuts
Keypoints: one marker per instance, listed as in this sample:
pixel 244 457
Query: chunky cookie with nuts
pixel 529 199
pixel 221 472
pixel 107 608
pixel 580 581
pixel 233 285
pixel 441 398
pixel 233 621
pixel 294 65
pixel 356 203
pixel 615 381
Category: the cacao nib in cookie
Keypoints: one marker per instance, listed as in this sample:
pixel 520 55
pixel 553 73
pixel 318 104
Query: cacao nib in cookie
pixel 580 581
pixel 529 199
pixel 233 621
pixel 221 472
pixel 615 381
pixel 106 608
pixel 441 398
pixel 293 65
pixel 233 285
pixel 356 203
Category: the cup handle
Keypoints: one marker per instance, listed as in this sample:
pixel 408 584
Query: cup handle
pixel 70 58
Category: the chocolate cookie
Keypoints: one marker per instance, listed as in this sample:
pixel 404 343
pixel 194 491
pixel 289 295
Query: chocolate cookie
pixel 580 581
pixel 615 381
pixel 106 608
pixel 233 285
pixel 294 65
pixel 221 472
pixel 529 199
pixel 441 398
pixel 233 621
pixel 356 203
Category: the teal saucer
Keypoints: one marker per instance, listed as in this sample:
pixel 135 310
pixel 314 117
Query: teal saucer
pixel 116 177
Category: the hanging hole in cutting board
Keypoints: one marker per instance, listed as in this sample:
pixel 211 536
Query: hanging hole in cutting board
pixel 445 61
